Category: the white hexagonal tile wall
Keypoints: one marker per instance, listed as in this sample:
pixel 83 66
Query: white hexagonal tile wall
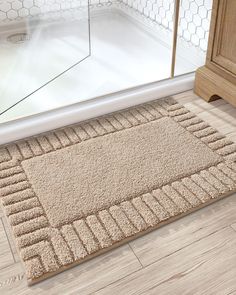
pixel 185 4
pixel 197 14
pixel 191 28
pixel 3 15
pixel 5 6
pixel 193 8
pixel 195 39
pixel 205 24
pixel 12 14
pixel 39 3
pixel 28 3
pixel 202 11
pixel 200 32
pixel 23 12
pixel 199 2
pixel 184 24
pixel 203 44
pixel 187 35
pixel 34 10
pixel 193 23
pixel 16 5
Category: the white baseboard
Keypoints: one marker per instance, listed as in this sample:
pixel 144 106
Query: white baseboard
pixel 39 123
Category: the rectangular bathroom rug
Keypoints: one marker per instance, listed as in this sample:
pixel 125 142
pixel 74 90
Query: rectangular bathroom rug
pixel 76 192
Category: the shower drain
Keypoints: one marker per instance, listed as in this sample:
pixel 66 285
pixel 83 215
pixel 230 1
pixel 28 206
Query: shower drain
pixel 18 38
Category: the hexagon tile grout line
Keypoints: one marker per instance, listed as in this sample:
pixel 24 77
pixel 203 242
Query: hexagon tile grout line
pixel 193 23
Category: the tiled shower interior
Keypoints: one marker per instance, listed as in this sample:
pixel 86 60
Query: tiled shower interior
pixel 58 52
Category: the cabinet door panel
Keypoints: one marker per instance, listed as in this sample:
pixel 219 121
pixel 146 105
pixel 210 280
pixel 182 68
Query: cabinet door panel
pixel 224 47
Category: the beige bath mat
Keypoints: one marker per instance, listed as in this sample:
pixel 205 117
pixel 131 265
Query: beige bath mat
pixel 76 192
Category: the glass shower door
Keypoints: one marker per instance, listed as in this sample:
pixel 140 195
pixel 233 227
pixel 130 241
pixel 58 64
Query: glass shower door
pixel 192 34
pixel 39 41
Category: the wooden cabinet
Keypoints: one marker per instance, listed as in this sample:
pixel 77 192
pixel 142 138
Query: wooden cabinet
pixel 218 77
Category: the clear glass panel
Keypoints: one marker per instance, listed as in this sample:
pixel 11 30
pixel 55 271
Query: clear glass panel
pixel 193 32
pixel 39 41
pixel 131 45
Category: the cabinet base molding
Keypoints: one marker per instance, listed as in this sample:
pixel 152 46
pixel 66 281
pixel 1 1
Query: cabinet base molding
pixel 211 86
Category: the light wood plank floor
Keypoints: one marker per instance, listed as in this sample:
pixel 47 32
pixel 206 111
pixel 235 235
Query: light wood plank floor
pixel 194 255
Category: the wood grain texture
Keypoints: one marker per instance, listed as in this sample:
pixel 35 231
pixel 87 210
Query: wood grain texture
pixel 11 242
pixel 205 267
pixel 218 76
pixel 211 86
pixel 181 233
pixel 224 46
pixel 232 136
pixel 11 277
pixel 233 226
pixel 85 279
pixel 205 241
pixel 6 257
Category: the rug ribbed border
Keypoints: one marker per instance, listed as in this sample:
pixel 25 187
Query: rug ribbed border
pixel 46 251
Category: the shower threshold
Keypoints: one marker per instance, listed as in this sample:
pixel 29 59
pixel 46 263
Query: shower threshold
pixel 80 111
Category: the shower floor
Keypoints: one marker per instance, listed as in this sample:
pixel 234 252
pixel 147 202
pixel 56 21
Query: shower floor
pixel 123 55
